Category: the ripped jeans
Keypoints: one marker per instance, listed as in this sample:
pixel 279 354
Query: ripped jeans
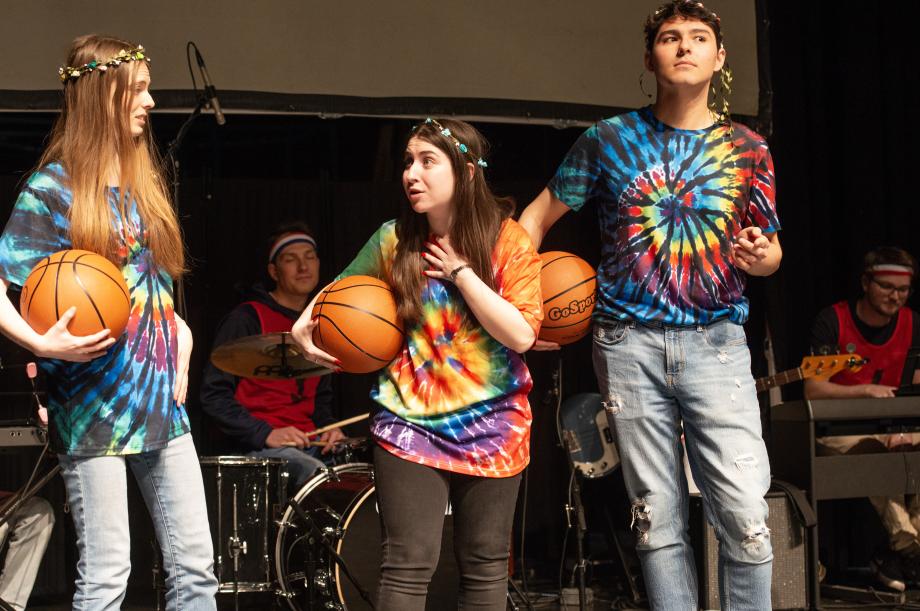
pixel 653 378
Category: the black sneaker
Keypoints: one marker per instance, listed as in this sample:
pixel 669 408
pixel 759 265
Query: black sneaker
pixel 887 569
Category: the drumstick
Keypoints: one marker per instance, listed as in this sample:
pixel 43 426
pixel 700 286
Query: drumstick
pixel 336 425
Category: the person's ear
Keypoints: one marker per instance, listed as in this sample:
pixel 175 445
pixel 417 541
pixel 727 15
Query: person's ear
pixel 272 272
pixel 470 170
pixel 720 59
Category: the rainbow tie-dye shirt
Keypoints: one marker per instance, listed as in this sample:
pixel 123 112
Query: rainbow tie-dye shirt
pixel 670 202
pixel 455 398
pixel 121 402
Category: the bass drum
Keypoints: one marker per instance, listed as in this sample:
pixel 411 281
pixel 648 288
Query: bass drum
pixel 327 554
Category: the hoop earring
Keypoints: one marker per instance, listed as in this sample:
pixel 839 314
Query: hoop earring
pixel 642 85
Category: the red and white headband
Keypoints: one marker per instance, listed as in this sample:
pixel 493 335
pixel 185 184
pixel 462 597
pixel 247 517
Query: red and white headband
pixel 286 240
pixel 891 269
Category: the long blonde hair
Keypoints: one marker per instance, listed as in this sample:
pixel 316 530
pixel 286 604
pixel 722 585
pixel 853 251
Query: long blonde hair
pixel 92 136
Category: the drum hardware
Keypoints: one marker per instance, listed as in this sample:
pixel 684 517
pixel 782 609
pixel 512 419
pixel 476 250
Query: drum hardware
pixel 272 356
pixel 325 542
pixel 244 496
pixel 237 548
pixel 331 473
pixel 343 515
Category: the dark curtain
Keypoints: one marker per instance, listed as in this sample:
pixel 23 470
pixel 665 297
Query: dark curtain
pixel 844 146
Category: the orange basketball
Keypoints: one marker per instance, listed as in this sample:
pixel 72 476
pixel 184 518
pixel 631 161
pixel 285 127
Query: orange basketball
pixel 78 278
pixel 569 288
pixel 356 322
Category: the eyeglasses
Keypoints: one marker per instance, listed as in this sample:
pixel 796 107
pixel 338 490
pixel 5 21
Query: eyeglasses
pixel 903 291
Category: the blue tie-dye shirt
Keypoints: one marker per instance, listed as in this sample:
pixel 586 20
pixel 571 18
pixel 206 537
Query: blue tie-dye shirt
pixel 119 403
pixel 670 202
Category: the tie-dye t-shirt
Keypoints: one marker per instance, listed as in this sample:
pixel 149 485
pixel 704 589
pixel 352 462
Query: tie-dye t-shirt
pixel 455 398
pixel 121 402
pixel 670 202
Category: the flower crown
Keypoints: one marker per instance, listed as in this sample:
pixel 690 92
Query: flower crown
pixel 125 55
pixel 446 133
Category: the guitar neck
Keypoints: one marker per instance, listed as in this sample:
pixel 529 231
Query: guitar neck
pixel 784 377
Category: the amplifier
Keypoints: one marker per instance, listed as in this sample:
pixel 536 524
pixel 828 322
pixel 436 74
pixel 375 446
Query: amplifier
pixel 20 436
pixel 790 554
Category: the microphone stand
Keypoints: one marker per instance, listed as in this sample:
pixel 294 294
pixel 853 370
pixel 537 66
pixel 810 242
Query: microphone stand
pixel 574 509
pixel 172 157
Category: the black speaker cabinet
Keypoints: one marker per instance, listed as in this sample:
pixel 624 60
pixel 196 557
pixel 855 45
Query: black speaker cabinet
pixel 790 554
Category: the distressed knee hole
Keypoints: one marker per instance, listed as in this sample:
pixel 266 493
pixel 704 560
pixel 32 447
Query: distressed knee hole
pixel 746 462
pixel 755 538
pixel 641 520
pixel 723 356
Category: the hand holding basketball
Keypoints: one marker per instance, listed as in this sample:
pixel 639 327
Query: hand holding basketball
pixel 357 325
pixel 58 343
pixel 79 278
pixel 302 334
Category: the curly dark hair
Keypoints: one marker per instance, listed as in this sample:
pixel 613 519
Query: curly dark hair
pixel 681 9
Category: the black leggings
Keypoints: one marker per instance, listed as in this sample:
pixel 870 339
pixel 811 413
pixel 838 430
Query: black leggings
pixel 412 499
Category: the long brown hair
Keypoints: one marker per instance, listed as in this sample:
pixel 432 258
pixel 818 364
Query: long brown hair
pixel 477 217
pixel 91 138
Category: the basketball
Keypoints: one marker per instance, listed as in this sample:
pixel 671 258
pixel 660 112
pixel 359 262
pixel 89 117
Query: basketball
pixel 569 288
pixel 356 322
pixel 78 278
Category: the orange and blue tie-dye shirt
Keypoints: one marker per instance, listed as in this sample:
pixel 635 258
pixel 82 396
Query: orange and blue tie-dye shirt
pixel 121 402
pixel 670 202
pixel 455 398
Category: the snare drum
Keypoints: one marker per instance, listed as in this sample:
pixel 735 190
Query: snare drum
pixel 336 514
pixel 244 495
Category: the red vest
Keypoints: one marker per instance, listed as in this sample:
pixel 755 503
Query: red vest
pixel 887 358
pixel 280 403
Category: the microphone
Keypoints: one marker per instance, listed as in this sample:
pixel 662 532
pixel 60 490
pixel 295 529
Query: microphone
pixel 210 93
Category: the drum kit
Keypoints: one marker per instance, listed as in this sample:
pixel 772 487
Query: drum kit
pixel 317 549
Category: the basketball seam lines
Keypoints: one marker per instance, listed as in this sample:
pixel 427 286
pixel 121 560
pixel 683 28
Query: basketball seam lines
pixel 348 339
pixel 82 286
pixel 353 286
pixel 117 283
pixel 369 313
pixel 545 301
pixel 57 280
pixel 548 263
pixel 35 288
pixel 577 322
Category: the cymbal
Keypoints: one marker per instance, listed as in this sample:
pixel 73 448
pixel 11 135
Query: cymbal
pixel 272 356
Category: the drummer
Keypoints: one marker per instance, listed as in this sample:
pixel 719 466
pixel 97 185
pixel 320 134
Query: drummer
pixel 269 418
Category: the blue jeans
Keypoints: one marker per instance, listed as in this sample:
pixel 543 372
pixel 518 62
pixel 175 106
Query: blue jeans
pixel 301 464
pixel 170 481
pixel 652 380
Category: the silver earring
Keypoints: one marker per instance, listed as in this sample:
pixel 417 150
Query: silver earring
pixel 642 85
